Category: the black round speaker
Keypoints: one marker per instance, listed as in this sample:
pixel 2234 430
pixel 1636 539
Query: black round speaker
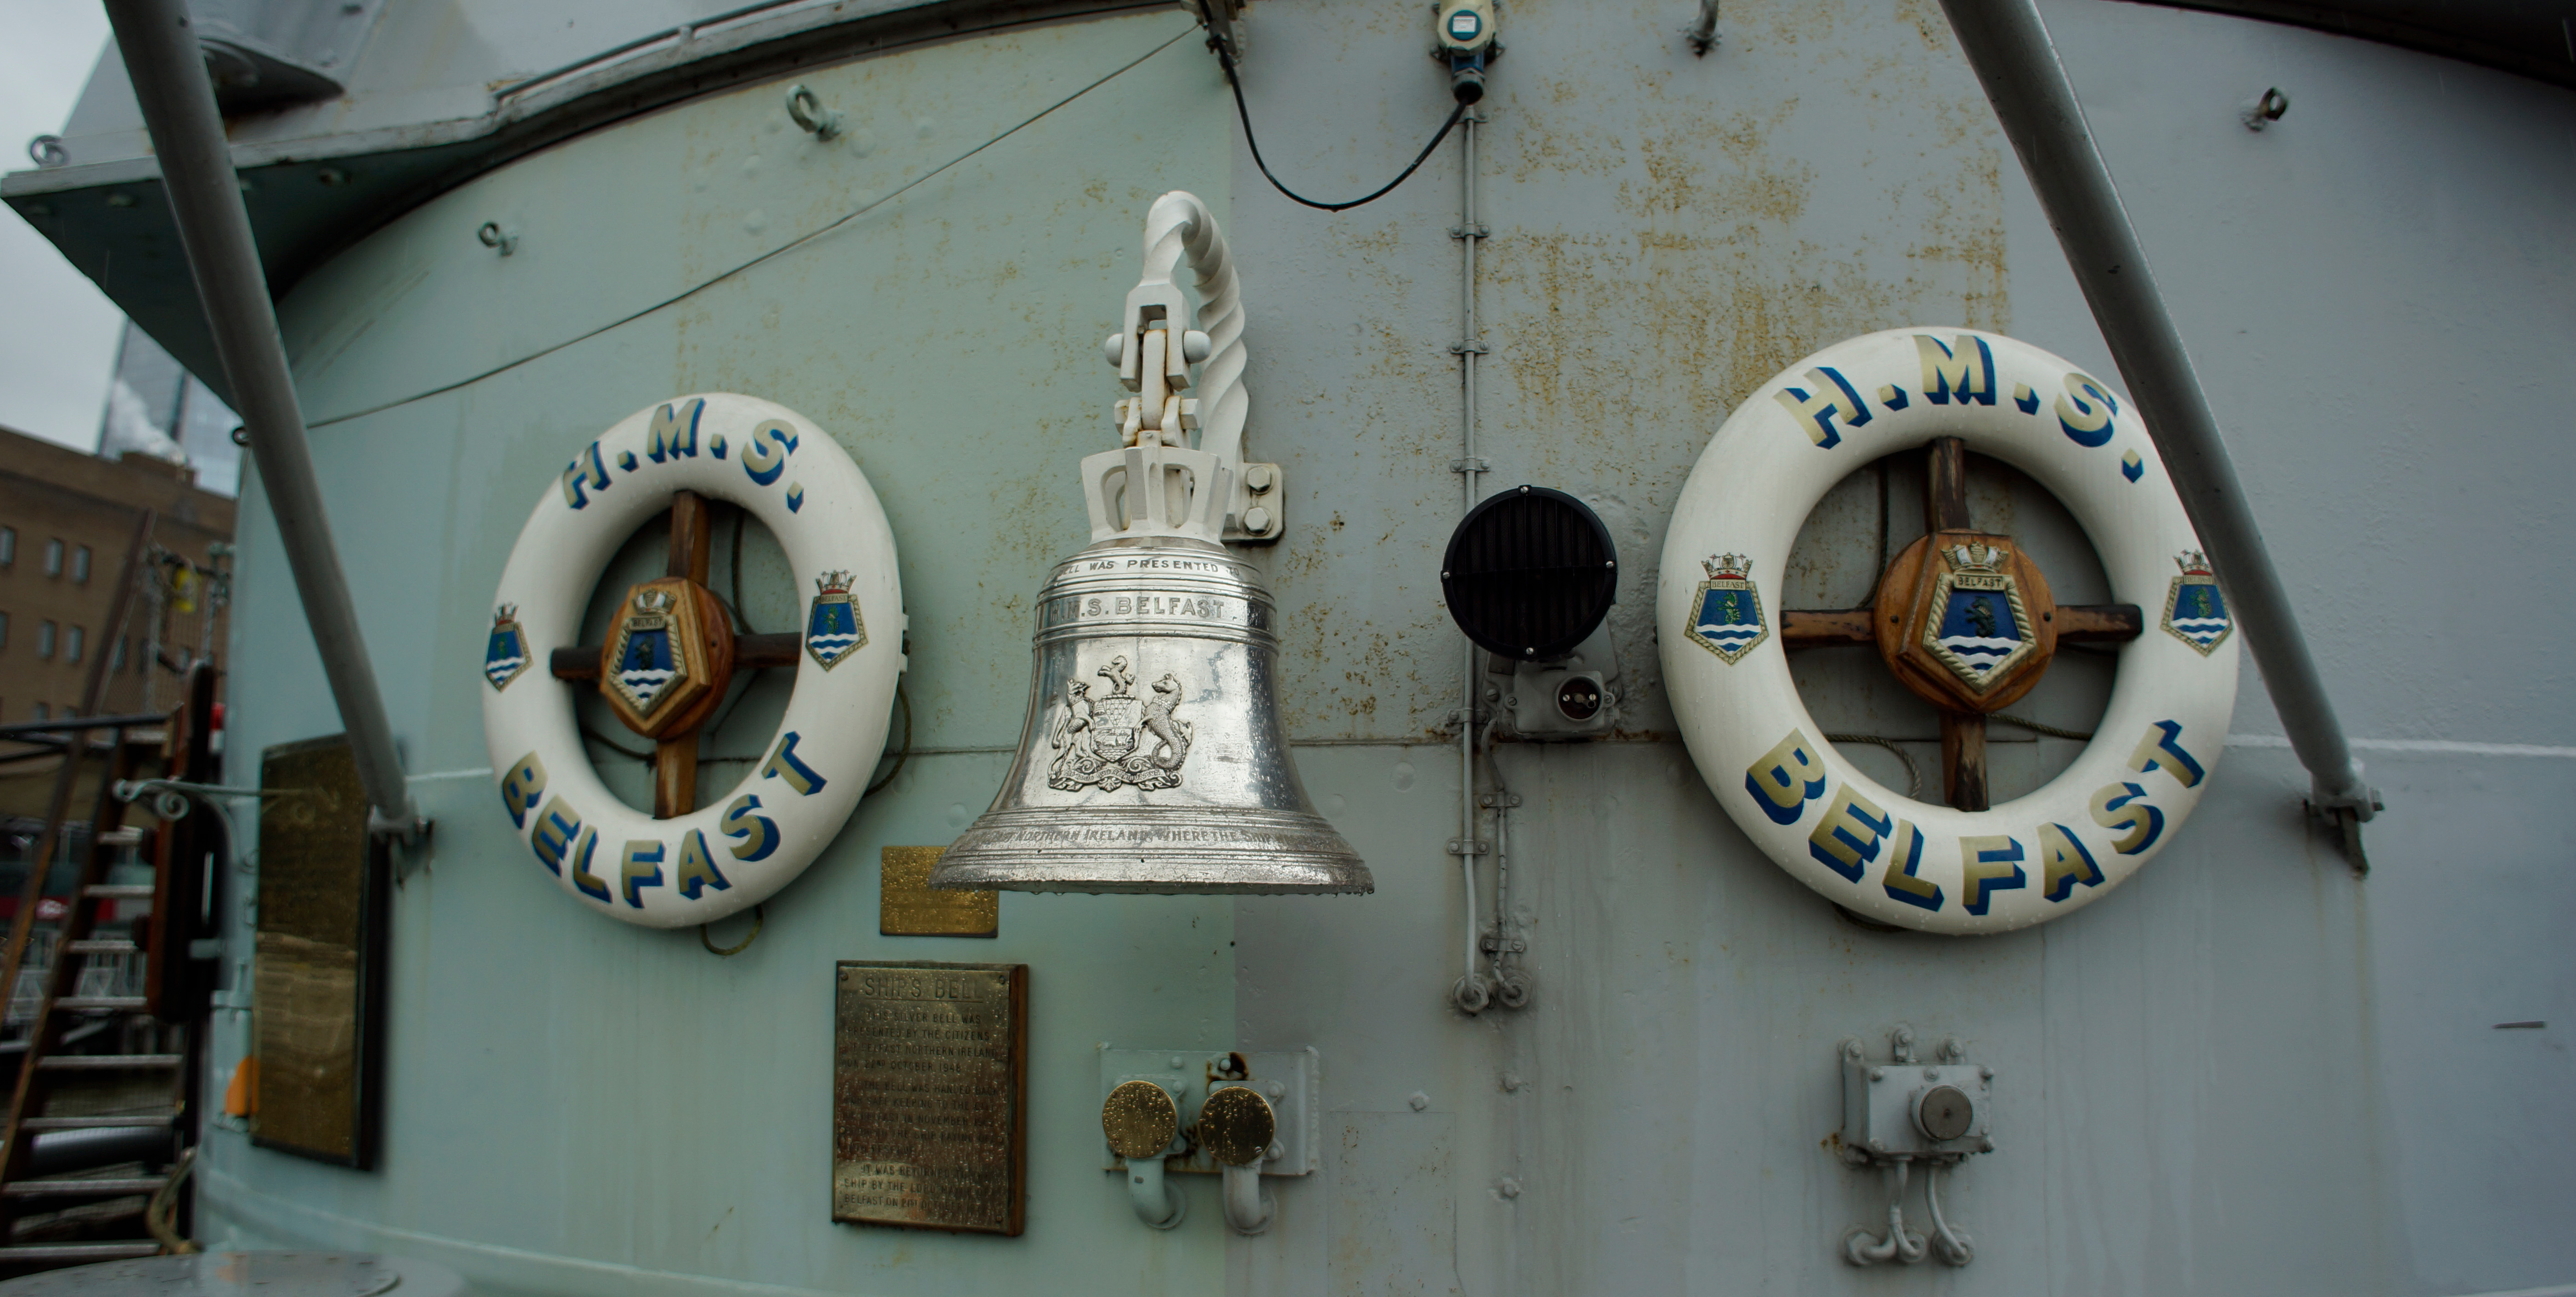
pixel 1529 573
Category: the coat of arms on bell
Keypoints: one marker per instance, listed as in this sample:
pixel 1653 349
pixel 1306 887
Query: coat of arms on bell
pixel 1121 740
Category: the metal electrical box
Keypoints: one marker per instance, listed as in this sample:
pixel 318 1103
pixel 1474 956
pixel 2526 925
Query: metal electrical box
pixel 1903 1108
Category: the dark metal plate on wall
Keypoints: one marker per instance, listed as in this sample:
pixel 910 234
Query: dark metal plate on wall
pixel 929 1095
pixel 320 956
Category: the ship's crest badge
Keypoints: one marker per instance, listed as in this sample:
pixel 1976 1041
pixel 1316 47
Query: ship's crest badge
pixel 647 661
pixel 505 654
pixel 1980 627
pixel 1726 614
pixel 1121 740
pixel 2195 608
pixel 833 627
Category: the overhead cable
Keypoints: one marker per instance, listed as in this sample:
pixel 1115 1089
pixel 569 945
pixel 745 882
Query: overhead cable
pixel 1227 62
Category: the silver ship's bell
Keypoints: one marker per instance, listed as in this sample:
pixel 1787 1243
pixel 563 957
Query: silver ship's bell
pixel 1153 760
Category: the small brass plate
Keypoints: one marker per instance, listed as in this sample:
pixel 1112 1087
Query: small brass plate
pixel 1237 1126
pixel 1139 1119
pixel 929 1095
pixel 906 907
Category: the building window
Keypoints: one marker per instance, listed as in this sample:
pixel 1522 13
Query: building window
pixel 42 714
pixel 8 546
pixel 116 663
pixel 72 644
pixel 80 564
pixel 4 630
pixel 53 558
pixel 45 640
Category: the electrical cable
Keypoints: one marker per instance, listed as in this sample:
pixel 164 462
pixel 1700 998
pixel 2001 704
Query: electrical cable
pixel 759 920
pixel 906 753
pixel 1227 63
pixel 605 742
pixel 1913 775
pixel 2080 736
pixel 162 1209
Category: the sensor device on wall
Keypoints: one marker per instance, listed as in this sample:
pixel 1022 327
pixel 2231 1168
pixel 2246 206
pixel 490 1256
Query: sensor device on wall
pixel 1530 573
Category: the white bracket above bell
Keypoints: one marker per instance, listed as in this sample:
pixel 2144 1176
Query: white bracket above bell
pixel 1156 490
pixel 1185 369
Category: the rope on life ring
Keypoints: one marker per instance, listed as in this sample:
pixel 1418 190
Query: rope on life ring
pixel 1962 616
pixel 670 649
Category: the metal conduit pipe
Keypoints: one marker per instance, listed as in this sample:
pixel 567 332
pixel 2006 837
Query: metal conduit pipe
pixel 1472 991
pixel 178 102
pixel 2010 50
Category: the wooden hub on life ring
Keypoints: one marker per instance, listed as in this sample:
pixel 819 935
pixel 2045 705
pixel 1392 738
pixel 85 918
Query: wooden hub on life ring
pixel 1964 620
pixel 669 655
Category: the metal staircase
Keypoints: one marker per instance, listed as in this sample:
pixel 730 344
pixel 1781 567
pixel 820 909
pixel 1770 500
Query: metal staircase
pixel 92 1134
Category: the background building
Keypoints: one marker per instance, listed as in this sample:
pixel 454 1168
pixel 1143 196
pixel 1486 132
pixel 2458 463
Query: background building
pixel 65 521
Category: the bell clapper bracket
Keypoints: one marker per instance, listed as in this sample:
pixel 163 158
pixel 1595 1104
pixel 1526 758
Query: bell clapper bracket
pixel 670 654
pixel 1182 427
pixel 1964 620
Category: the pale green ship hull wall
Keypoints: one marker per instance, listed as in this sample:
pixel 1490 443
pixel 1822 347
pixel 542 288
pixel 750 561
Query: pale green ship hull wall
pixel 2247 1071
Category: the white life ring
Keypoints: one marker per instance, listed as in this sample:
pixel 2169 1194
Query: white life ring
pixel 746 844
pixel 1841 832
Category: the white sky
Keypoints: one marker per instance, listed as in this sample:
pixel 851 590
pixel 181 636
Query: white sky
pixel 57 331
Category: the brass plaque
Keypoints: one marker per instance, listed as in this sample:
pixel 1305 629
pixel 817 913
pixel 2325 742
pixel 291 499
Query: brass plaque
pixel 929 1095
pixel 906 907
pixel 318 952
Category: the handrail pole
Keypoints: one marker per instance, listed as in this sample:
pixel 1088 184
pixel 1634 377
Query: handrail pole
pixel 177 97
pixel 2009 47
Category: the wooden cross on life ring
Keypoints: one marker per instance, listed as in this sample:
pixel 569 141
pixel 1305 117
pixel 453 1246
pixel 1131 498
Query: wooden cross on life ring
pixel 1965 621
pixel 670 653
